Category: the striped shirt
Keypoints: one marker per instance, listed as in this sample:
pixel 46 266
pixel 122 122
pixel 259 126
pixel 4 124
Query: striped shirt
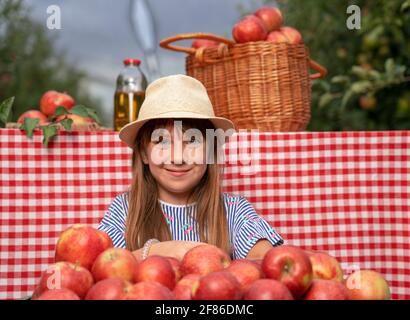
pixel 245 226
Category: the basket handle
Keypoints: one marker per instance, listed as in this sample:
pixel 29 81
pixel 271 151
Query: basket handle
pixel 166 43
pixel 322 71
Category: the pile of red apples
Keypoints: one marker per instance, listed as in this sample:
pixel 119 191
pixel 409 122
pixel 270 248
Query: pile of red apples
pixel 49 103
pixel 88 267
pixel 266 24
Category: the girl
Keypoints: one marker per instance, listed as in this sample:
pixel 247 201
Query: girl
pixel 175 200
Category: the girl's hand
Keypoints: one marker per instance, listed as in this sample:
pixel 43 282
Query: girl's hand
pixel 176 249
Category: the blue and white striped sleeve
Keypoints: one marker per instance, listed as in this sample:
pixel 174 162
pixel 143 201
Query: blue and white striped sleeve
pixel 113 222
pixel 249 228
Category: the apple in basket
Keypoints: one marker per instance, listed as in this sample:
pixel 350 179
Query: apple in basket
pixel 367 285
pixel 204 259
pixel 81 244
pixel 272 17
pixel 33 114
pixel 204 43
pixel 51 100
pixel 285 35
pixel 250 28
pixel 291 266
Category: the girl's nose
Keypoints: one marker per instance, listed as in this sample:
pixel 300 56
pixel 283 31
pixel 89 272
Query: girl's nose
pixel 177 154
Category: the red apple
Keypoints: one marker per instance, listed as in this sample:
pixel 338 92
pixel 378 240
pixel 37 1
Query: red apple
pixel 106 240
pixel 58 294
pixel 292 34
pixel 108 289
pixel 204 259
pixel 79 123
pixel 68 276
pixel 185 286
pixel 33 114
pixel 321 289
pixel 291 266
pixel 51 100
pixel 176 266
pixel 324 266
pixel 271 17
pixel 220 285
pixel 199 43
pixel 79 244
pixel 245 271
pixel 277 37
pixel 115 263
pixel 367 285
pixel 267 289
pixel 250 28
pixel 158 269
pixel 148 290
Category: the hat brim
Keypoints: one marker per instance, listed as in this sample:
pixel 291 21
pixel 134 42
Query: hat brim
pixel 128 133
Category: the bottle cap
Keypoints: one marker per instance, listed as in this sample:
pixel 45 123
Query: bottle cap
pixel 133 61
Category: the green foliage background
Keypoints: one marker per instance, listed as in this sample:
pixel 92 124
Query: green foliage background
pixel 368 86
pixel 30 64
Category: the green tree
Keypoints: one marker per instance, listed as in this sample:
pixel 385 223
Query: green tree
pixel 367 87
pixel 29 63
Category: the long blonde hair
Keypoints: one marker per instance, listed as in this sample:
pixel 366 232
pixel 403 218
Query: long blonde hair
pixel 145 219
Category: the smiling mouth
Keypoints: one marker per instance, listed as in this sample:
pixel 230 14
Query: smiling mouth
pixel 177 172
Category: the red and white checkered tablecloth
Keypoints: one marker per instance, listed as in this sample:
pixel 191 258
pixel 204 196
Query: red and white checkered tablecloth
pixel 347 193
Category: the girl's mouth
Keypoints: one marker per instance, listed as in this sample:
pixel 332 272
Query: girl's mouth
pixel 177 173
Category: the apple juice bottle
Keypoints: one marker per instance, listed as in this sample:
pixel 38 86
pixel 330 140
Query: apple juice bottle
pixel 129 94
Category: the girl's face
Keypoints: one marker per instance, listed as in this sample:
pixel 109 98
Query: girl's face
pixel 176 160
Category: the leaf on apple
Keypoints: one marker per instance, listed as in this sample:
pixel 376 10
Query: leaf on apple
pixel 67 124
pixel 84 111
pixel 93 114
pixel 48 133
pixel 60 111
pixel 80 110
pixel 5 110
pixel 29 125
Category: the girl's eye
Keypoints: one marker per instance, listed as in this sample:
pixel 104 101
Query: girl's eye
pixel 194 140
pixel 162 141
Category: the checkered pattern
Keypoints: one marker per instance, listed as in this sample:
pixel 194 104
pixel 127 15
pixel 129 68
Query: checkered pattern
pixel 346 193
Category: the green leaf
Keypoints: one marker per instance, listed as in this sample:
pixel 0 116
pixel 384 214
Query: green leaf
pixel 29 125
pixel 5 109
pixel 340 79
pixel 359 72
pixel 405 5
pixel 79 110
pixel 93 114
pixel 60 111
pixel 67 123
pixel 48 133
pixel 325 99
pixel 361 86
pixel 389 66
pixel 346 97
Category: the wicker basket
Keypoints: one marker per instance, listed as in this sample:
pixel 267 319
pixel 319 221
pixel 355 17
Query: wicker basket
pixel 257 85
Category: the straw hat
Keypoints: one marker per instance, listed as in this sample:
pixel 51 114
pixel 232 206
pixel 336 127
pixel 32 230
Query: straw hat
pixel 176 96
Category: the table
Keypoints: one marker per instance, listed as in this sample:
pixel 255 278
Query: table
pixel 343 192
